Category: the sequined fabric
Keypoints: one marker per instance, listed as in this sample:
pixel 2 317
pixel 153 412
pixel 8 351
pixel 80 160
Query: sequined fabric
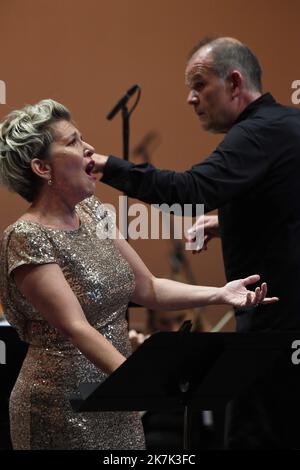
pixel 40 413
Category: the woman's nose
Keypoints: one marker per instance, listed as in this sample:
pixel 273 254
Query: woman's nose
pixel 89 151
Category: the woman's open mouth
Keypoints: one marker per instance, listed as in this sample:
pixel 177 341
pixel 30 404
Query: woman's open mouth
pixel 89 169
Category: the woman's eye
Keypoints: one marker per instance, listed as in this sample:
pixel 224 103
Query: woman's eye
pixel 73 141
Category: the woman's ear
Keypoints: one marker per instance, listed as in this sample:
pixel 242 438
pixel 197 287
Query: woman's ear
pixel 41 168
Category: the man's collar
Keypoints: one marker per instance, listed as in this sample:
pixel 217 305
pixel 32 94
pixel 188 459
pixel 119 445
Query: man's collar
pixel 265 99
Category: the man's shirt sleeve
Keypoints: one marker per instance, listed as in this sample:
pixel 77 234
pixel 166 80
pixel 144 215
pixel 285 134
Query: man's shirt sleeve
pixel 236 166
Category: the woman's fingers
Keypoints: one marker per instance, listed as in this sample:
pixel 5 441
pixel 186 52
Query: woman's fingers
pixel 270 300
pixel 251 279
pixel 249 298
pixel 264 290
pixel 259 295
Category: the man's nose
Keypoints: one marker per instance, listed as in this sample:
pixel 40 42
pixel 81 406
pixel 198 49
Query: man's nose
pixel 192 97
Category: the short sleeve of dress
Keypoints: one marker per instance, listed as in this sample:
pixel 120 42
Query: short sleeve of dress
pixel 28 243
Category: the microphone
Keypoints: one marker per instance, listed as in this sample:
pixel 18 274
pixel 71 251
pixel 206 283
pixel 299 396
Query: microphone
pixel 122 102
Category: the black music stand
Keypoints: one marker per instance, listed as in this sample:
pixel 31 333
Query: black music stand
pixel 186 372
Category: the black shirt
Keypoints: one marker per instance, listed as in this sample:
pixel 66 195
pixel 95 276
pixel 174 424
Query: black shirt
pixel 252 177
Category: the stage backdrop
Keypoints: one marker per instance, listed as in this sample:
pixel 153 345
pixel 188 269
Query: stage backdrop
pixel 86 54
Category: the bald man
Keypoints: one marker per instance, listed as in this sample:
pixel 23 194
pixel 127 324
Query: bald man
pixel 252 177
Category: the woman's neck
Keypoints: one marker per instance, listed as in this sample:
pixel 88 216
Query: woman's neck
pixel 53 212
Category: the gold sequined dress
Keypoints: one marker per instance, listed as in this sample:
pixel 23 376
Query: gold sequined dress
pixel 41 416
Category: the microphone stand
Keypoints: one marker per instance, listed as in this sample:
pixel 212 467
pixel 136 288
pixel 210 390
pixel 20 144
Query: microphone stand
pixel 125 117
pixel 125 125
pixel 122 105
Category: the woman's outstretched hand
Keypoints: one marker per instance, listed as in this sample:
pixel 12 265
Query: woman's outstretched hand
pixel 236 293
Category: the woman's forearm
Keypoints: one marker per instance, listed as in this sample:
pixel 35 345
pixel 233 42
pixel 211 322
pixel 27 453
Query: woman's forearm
pixel 171 295
pixel 96 348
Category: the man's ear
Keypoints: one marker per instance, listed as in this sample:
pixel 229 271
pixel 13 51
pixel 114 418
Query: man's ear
pixel 236 82
pixel 41 168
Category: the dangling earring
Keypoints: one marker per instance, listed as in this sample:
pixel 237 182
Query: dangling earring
pixel 50 182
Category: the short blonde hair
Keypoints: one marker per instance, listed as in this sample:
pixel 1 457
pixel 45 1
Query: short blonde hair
pixel 26 134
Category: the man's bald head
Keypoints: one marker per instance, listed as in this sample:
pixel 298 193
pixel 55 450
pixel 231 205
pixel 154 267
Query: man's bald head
pixel 229 54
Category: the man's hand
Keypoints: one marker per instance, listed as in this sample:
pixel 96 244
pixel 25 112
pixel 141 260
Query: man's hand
pixel 100 162
pixel 210 225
